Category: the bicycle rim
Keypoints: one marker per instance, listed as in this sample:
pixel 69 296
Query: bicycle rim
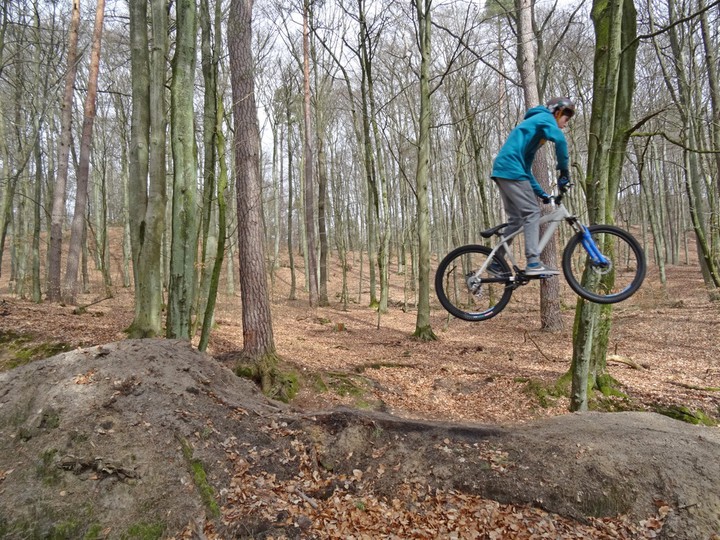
pixel 607 283
pixel 465 295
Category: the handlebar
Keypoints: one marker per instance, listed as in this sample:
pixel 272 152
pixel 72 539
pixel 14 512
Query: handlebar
pixel 563 190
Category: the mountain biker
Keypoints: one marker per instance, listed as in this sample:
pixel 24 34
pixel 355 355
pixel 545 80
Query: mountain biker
pixel 518 187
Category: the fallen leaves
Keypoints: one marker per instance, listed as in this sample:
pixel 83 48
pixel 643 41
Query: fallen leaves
pixel 317 503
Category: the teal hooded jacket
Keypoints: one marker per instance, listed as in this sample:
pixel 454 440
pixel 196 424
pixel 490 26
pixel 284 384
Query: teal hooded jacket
pixel 514 161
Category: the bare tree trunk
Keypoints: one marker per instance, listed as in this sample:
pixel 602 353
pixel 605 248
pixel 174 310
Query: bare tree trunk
pixel 712 67
pixel 291 193
pixel 368 154
pixel 222 228
pixel 423 330
pixel 37 196
pixel 322 222
pixel 58 204
pixel 183 251
pixel 78 223
pixel 258 341
pixel 615 23
pixel 218 228
pixel 550 316
pixel 147 182
pixel 309 193
pixel 208 236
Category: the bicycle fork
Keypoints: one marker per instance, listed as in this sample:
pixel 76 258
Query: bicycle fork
pixel 588 242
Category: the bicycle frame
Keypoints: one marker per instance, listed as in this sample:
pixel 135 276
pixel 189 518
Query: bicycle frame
pixel 553 220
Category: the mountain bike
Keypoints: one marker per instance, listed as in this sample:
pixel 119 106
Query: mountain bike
pixel 601 263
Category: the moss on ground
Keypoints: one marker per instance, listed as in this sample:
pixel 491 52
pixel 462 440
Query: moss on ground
pixel 275 379
pixel 47 469
pixel 546 393
pixel 20 349
pixel 197 469
pixel 50 524
pixel 345 384
pixel 606 396
pixel 685 414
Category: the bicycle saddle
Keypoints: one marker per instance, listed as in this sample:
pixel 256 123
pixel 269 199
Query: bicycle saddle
pixel 494 230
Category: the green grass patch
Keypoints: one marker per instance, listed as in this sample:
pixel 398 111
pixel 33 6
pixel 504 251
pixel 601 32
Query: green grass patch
pixel 47 470
pixel 144 531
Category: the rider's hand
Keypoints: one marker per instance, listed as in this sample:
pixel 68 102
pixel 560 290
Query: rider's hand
pixel 546 199
pixel 564 180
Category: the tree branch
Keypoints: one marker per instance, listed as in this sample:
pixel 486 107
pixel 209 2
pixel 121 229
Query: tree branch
pixel 671 25
pixel 673 141
pixel 467 47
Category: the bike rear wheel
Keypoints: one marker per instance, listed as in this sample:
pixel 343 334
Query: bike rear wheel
pixel 607 283
pixel 467 296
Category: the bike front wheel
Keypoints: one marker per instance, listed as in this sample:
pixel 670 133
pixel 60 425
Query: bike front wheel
pixel 614 280
pixel 468 295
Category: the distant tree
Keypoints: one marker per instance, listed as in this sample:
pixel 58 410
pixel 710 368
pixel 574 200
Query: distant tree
pixel 79 225
pixel 423 330
pixel 309 190
pixel 58 203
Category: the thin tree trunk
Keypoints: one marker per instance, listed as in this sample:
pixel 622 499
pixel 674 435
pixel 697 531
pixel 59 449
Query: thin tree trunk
pixel 36 288
pixel 291 193
pixel 58 204
pixel 208 240
pixel 423 330
pixel 308 191
pixel 322 223
pixel 79 224
pixel 222 229
pixel 550 315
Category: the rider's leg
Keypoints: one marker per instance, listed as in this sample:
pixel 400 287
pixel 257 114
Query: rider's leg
pixel 522 210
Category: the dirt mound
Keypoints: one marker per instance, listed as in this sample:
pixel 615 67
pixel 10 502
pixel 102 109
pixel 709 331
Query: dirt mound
pixel 150 438
pixel 121 439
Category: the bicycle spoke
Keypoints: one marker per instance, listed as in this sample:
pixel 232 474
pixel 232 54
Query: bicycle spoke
pixel 611 280
pixel 468 293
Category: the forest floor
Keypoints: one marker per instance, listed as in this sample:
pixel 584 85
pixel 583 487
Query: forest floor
pixel 500 373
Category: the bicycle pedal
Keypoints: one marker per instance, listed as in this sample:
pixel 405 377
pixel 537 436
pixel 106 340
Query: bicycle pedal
pixel 525 276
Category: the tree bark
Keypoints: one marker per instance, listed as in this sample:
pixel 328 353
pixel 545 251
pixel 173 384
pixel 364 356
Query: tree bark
pixel 79 224
pixel 147 182
pixel 222 228
pixel 423 330
pixel 550 316
pixel 291 191
pixel 615 23
pixel 208 236
pixel 58 204
pixel 309 176
pixel 183 251
pixel 258 341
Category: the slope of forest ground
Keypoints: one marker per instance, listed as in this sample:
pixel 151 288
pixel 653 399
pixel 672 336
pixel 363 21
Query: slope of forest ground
pixel 499 373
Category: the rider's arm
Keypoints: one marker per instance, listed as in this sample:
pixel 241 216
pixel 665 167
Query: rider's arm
pixel 552 132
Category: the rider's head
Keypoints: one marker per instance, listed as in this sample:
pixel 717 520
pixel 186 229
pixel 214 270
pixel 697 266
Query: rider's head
pixel 561 107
